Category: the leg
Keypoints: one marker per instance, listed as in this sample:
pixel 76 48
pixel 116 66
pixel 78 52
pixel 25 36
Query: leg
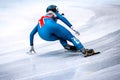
pixel 63 42
pixel 67 46
pixel 57 32
pixel 79 46
pixel 64 35
pixel 76 43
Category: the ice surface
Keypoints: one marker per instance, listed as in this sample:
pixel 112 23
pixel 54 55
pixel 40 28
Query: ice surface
pixel 61 65
pixel 99 28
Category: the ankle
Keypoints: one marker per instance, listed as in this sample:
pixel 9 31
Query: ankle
pixel 83 50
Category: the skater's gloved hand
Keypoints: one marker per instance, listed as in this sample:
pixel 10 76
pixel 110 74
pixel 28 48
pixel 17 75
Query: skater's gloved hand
pixel 62 14
pixel 32 50
pixel 76 32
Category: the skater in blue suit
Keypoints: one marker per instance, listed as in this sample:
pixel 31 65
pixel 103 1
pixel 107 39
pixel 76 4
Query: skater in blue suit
pixel 49 30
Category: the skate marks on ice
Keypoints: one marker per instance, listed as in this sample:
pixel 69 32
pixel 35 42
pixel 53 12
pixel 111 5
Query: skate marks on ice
pixel 105 66
pixel 61 53
pixel 60 66
pixel 107 42
pixel 102 67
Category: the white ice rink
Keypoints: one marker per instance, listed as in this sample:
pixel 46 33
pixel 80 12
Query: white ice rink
pixel 98 22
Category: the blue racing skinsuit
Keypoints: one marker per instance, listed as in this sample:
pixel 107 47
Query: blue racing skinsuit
pixel 49 30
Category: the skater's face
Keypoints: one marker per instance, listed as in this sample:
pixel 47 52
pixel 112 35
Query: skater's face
pixel 52 14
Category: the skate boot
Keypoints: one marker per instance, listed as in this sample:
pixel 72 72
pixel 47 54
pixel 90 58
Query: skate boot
pixel 70 47
pixel 89 52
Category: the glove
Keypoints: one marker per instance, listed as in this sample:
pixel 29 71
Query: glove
pixel 62 14
pixel 32 50
pixel 76 32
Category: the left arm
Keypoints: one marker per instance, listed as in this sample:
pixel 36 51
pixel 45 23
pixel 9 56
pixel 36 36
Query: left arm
pixel 63 19
pixel 59 16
